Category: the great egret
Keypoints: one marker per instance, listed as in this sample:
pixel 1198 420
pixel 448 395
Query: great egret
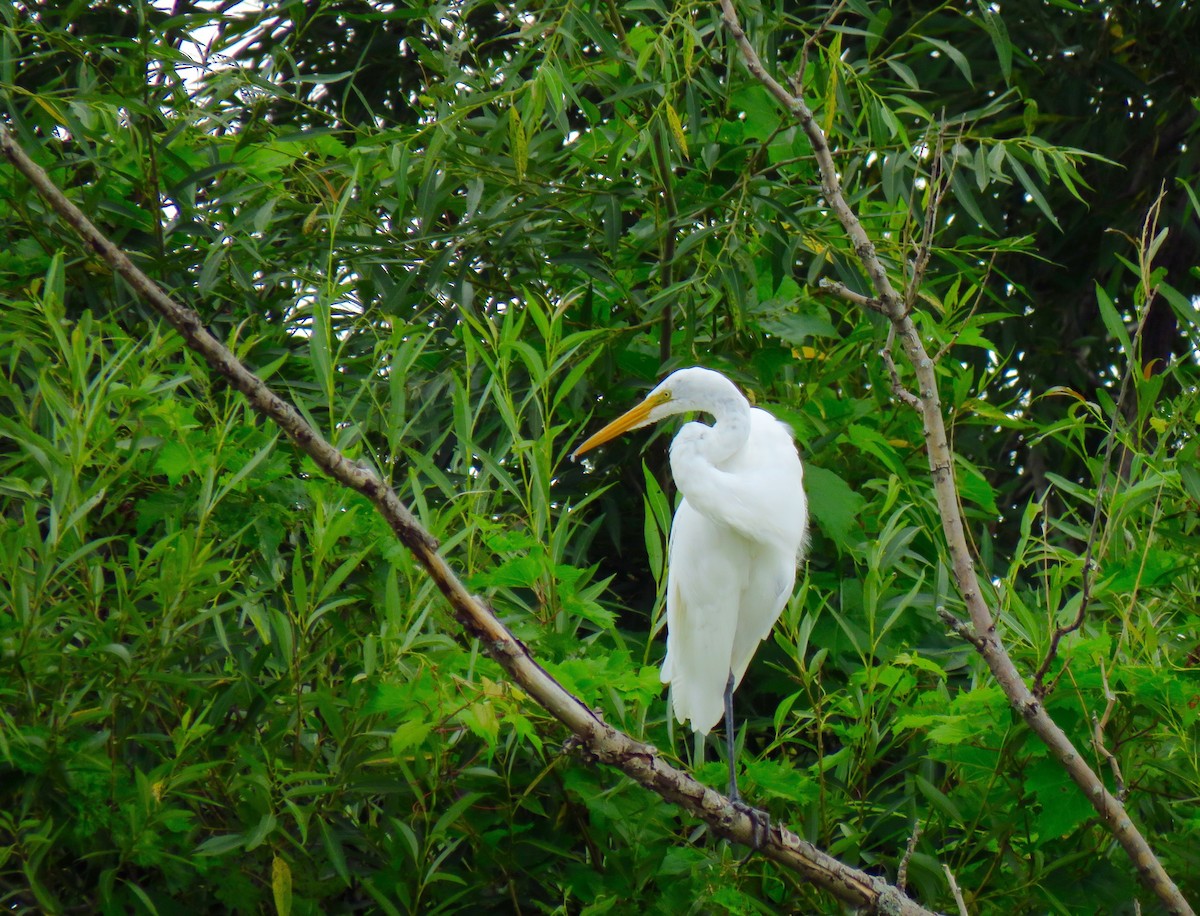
pixel 736 540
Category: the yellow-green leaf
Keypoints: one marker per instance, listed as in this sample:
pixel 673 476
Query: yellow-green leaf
pixel 518 142
pixel 281 886
pixel 677 129
pixel 53 112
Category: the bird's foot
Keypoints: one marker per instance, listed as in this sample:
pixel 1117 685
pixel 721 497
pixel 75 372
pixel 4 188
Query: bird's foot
pixel 760 825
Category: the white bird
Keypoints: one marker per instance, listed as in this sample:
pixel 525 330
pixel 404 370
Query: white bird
pixel 738 535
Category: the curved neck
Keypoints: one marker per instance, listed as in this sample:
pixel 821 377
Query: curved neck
pixel 730 429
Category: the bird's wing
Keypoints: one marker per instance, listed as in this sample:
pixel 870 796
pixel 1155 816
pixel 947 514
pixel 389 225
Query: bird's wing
pixel 706 581
pixel 766 594
pixel 758 492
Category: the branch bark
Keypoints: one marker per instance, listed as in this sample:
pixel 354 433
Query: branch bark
pixel 639 761
pixel 1110 810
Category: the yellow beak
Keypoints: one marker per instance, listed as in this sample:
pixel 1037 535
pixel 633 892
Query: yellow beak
pixel 627 421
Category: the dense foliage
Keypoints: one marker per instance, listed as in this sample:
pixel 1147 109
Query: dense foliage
pixel 459 235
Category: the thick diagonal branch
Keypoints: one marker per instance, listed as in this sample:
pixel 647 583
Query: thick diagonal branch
pixel 639 761
pixel 1112 813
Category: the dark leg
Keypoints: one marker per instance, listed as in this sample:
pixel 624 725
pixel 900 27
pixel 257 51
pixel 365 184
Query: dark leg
pixel 730 739
pixel 759 819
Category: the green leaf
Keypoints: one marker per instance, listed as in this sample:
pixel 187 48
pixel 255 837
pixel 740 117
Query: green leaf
pixel 333 848
pixel 993 22
pixel 905 73
pixel 175 460
pixel 220 845
pixel 938 799
pixel 966 198
pixel 960 60
pixel 409 735
pixel 797 329
pixel 834 506
pixel 263 829
pixel 974 487
pixel 1062 807
pixel 1112 321
pixel 481 719
pixel 778 779
pixel 1034 192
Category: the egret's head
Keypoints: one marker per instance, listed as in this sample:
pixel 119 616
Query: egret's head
pixel 680 392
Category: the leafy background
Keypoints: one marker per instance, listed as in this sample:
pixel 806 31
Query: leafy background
pixel 460 235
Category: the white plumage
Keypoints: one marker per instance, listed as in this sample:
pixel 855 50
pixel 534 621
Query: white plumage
pixel 737 537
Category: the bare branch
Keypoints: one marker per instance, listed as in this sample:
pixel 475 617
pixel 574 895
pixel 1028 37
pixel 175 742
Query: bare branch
pixel 939 183
pixel 958 897
pixel 962 630
pixel 898 388
pixel 909 849
pixel 842 291
pixel 639 761
pixel 941 466
pixel 796 80
pixel 1098 725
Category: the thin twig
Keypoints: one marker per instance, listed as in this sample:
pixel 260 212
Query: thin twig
pixel 909 849
pixel 842 291
pixel 1058 677
pixel 796 80
pixel 958 897
pixel 939 182
pixel 898 388
pixel 1090 566
pixel 961 629
pixel 1099 723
